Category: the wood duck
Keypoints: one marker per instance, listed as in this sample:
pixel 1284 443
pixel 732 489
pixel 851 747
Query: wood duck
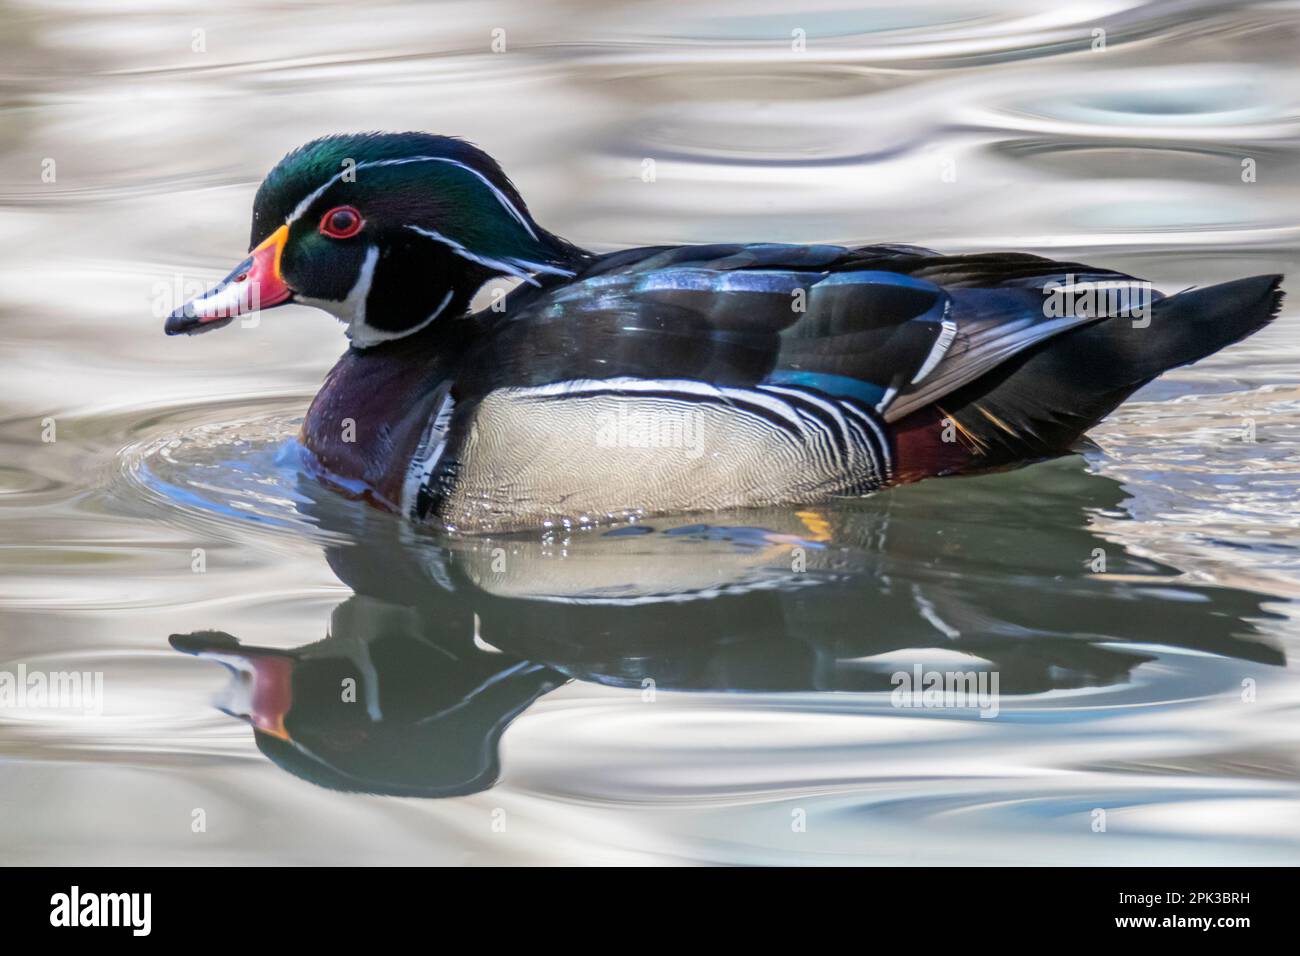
pixel 673 379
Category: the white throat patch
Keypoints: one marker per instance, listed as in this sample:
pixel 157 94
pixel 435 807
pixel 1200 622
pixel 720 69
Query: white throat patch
pixel 351 309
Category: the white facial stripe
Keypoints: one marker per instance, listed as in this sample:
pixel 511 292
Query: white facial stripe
pixel 464 253
pixel 363 336
pixel 315 194
pixel 352 308
pixel 519 268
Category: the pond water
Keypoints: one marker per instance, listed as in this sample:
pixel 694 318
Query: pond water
pixel 718 688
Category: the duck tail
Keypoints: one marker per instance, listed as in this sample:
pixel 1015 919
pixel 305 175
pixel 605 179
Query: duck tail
pixel 1041 402
pixel 1191 325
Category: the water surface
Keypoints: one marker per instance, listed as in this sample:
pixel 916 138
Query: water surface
pixel 709 689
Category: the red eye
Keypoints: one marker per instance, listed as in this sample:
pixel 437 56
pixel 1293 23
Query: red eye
pixel 341 222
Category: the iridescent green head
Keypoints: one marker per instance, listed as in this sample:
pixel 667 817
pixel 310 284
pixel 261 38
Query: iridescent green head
pixel 387 231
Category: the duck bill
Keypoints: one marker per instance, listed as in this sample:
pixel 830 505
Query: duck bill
pixel 253 285
pixel 261 686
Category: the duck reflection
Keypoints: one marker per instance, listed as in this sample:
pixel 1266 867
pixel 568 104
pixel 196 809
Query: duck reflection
pixel 446 641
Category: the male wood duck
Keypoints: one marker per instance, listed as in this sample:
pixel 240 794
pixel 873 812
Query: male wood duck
pixel 673 379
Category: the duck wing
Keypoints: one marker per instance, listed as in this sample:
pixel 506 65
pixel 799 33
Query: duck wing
pixel 896 327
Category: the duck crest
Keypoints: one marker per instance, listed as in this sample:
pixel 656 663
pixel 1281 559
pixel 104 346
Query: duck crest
pixel 306 171
pixel 427 220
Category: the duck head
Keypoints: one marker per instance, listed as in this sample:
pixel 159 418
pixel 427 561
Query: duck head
pixel 389 232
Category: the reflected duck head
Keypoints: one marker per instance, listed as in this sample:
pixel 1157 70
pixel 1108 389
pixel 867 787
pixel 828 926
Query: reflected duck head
pixel 378 712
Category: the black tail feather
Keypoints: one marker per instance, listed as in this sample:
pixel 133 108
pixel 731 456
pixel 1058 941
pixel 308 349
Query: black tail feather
pixel 1041 402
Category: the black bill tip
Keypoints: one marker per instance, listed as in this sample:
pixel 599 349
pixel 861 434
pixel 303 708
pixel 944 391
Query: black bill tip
pixel 182 322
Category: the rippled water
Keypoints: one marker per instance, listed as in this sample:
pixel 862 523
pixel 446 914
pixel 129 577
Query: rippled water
pixel 684 693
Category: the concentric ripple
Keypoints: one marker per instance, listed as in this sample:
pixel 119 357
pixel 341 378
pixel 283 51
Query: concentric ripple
pixel 224 477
